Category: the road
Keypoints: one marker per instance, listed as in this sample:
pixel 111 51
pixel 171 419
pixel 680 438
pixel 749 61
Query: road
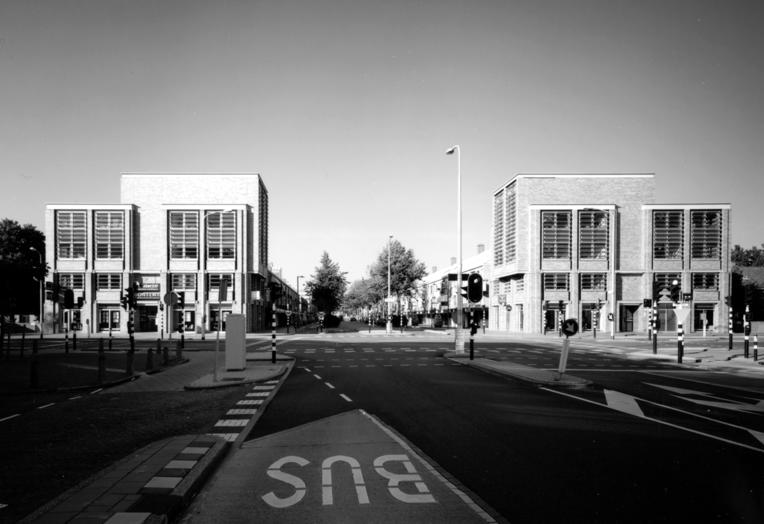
pixel 650 442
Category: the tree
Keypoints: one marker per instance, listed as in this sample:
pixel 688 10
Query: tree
pixel 20 268
pixel 360 295
pixel 753 257
pixel 405 272
pixel 327 285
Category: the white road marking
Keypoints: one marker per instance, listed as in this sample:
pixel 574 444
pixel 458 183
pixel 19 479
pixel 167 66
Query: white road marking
pixel 329 385
pixel 345 397
pixel 232 422
pixel 317 376
pixel 9 417
pixel 46 405
pixel 623 403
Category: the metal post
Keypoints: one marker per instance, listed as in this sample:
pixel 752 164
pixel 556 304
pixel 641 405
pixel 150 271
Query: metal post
pixel 472 336
pixel 66 340
pixel 101 362
pixel 74 340
pixel 389 324
pixel 217 346
pixel 679 342
pixel 596 322
pixel 23 343
pixel 650 324
pixel 273 334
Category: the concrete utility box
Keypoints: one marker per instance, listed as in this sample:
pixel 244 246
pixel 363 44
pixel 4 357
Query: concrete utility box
pixel 235 343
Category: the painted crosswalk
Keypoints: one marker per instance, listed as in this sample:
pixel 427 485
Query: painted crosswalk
pixel 238 418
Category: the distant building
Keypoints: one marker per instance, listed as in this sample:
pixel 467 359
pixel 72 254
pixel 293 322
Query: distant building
pixel 583 246
pixel 181 233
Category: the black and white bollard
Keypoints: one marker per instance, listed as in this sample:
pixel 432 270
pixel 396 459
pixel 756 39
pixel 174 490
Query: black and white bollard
pixel 679 343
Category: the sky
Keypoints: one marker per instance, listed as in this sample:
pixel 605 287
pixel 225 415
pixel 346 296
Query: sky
pixel 346 108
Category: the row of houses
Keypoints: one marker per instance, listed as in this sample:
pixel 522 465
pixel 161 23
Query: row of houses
pixel 597 248
pixel 194 248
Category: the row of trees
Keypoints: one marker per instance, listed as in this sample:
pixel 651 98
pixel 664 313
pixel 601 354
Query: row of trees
pixel 329 289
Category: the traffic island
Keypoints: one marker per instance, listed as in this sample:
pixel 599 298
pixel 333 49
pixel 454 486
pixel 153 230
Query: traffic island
pixel 544 377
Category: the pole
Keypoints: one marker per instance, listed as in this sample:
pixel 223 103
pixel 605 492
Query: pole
pixel 389 325
pixel 655 326
pixel 459 338
pixel 217 345
pixel 729 328
pixel 563 357
pixel 755 347
pixel 273 334
pixel 746 331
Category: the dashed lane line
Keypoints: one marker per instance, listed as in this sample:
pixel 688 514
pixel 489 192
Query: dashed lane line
pixel 345 397
pixel 9 417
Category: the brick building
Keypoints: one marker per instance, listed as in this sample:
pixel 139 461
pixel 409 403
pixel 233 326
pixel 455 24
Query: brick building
pixel 594 247
pixel 184 233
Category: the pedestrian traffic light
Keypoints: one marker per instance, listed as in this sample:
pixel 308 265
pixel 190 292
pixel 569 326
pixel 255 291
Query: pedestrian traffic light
pixel 181 303
pixel 646 302
pixel 475 287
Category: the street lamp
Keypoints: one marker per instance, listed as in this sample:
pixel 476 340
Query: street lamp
pixel 42 288
pixel 389 325
pixel 459 338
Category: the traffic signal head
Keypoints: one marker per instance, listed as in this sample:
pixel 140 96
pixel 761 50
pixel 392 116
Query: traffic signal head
pixel 69 299
pixel 80 302
pixel 181 303
pixel 123 301
pixel 475 287
pixel 676 292
pixel 728 300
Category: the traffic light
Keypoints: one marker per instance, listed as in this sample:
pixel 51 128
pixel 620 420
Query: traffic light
pixel 475 287
pixel 181 302
pixel 275 291
pixel 728 300
pixel 676 293
pixel 68 299
pixel 80 302
pixel 599 304
pixel 123 301
pixel 647 303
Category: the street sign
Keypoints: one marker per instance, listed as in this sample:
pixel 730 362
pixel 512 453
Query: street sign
pixel 570 327
pixel 682 313
pixel 170 298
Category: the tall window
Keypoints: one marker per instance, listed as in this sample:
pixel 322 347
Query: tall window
pixel 214 283
pixel 183 281
pixel 705 281
pixel 184 234
pixel 706 234
pixel 221 235
pixel 498 232
pixel 71 280
pixel 593 235
pixel 108 281
pixel 510 243
pixel 555 234
pixel 263 225
pixel 109 234
pixel 71 234
pixel 556 281
pixel 593 282
pixel 668 234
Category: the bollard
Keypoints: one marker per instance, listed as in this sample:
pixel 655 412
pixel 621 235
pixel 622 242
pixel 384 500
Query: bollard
pixel 74 341
pixel 182 339
pixel 165 356
pixel 150 359
pixel 23 342
pixel 679 343
pixel 755 348
pixel 273 335
pixel 179 351
pixel 34 375
pixel 101 362
pixel 729 327
pixel 66 341
pixel 109 340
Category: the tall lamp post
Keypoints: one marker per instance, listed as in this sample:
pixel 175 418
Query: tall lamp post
pixel 42 289
pixel 389 325
pixel 459 337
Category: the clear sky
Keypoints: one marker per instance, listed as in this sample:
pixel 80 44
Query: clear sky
pixel 346 107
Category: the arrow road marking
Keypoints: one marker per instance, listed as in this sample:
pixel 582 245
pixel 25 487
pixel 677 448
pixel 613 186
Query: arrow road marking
pixel 623 403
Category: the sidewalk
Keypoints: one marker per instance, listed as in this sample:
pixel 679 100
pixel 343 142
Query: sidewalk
pixel 154 484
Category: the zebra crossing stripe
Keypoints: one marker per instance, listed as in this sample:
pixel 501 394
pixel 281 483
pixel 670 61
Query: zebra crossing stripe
pixel 239 411
pixel 263 388
pixel 249 403
pixel 230 437
pixel 232 422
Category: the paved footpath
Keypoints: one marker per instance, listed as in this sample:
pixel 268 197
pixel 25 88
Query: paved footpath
pixel 158 481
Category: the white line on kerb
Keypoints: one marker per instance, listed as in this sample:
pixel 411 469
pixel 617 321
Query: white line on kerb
pixel 348 399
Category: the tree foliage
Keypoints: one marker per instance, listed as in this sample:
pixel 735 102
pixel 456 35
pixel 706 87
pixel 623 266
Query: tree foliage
pixel 327 285
pixel 361 295
pixel 405 271
pixel 753 257
pixel 20 268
